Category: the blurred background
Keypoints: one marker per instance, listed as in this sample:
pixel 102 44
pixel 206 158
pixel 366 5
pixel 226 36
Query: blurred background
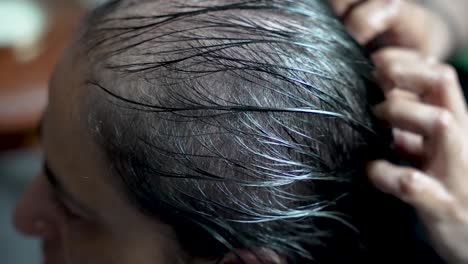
pixel 33 34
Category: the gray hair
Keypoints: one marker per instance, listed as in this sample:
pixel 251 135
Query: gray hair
pixel 242 123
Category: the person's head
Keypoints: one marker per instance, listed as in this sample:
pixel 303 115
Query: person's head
pixel 204 131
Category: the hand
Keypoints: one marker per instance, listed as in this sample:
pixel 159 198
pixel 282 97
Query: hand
pixel 400 23
pixel 425 107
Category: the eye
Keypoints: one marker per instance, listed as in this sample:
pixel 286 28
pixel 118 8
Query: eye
pixel 68 210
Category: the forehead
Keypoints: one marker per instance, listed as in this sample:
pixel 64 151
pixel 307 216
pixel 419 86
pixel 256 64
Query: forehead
pixel 67 145
pixel 67 140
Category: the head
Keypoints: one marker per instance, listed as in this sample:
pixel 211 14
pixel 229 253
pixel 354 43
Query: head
pixel 205 132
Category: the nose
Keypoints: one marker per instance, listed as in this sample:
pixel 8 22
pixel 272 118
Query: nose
pixel 35 212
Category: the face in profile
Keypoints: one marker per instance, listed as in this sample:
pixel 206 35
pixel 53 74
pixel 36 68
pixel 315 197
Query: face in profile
pixel 72 206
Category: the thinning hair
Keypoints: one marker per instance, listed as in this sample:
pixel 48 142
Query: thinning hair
pixel 242 123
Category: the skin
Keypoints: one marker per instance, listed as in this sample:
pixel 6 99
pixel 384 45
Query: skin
pixel 75 206
pixel 432 122
pixel 108 229
pixel 407 23
pixel 425 106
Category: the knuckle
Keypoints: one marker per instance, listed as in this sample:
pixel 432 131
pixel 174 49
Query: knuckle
pixel 395 70
pixel 455 212
pixel 447 75
pixel 430 59
pixel 444 121
pixel 409 184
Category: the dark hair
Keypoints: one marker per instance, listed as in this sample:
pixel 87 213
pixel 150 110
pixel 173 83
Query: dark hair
pixel 243 124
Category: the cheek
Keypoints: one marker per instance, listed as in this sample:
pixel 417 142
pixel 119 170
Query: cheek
pixel 92 244
pixel 87 243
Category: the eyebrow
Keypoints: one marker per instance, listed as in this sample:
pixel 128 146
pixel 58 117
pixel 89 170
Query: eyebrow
pixel 64 195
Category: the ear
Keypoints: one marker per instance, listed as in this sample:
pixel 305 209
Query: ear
pixel 254 256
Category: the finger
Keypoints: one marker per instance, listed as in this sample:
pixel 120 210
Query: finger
pixel 442 86
pixel 403 73
pixel 396 93
pixel 437 83
pixel 432 122
pixel 372 18
pixel 384 60
pixel 410 145
pixel 424 193
pixel 341 6
pixel 387 56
